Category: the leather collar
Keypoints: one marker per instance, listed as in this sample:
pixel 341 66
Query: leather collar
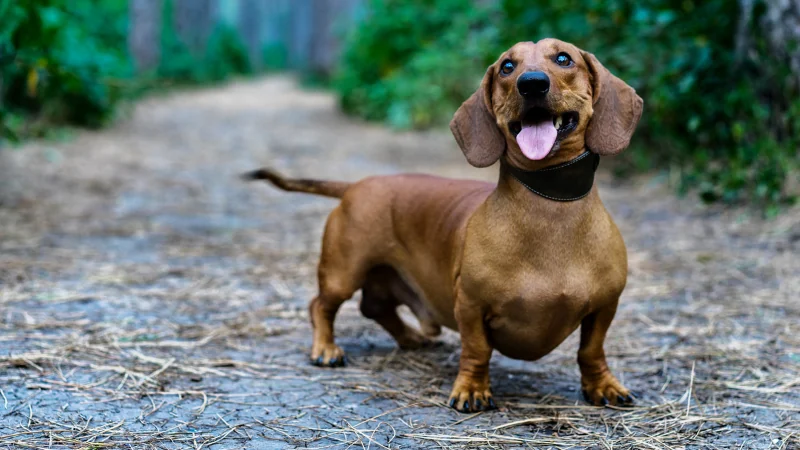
pixel 563 182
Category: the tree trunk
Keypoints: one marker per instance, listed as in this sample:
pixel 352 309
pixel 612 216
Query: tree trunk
pixel 144 33
pixel 781 23
pixel 327 31
pixel 250 22
pixel 194 20
pixel 302 17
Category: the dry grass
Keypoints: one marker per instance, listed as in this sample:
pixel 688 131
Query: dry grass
pixel 149 300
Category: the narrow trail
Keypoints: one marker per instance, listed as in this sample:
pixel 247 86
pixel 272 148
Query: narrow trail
pixel 150 299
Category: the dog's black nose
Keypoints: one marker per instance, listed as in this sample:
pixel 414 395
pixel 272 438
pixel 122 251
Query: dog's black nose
pixel 533 84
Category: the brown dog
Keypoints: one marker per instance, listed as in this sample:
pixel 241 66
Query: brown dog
pixel 516 266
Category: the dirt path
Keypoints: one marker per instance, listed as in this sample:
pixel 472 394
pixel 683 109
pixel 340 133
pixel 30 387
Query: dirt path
pixel 148 299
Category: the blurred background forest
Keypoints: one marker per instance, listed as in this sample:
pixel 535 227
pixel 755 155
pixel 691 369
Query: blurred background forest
pixel 720 78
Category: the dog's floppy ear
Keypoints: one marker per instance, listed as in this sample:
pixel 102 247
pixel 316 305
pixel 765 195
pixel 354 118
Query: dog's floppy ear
pixel 617 110
pixel 475 127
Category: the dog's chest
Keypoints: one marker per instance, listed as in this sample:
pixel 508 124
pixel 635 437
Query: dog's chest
pixel 527 320
pixel 536 292
pixel 530 310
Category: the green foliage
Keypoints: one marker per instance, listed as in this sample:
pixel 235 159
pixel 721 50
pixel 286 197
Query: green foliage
pixel 61 61
pixel 411 61
pixel 225 55
pixel 65 62
pixel 729 121
pixel 275 56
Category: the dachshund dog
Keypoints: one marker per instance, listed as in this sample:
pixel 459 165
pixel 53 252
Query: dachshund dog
pixel 515 266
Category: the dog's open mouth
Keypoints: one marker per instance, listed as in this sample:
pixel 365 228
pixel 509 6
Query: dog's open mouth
pixel 539 131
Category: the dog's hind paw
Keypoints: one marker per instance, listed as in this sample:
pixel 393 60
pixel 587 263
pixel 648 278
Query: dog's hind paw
pixel 413 340
pixel 328 356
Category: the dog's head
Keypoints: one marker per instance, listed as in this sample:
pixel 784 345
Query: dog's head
pixel 543 103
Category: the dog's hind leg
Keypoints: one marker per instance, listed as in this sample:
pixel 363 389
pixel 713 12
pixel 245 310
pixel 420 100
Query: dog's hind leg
pixel 428 324
pixel 382 293
pixel 342 271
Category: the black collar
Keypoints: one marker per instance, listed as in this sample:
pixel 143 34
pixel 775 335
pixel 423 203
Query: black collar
pixel 564 182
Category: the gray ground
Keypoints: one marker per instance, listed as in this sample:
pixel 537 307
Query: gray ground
pixel 149 299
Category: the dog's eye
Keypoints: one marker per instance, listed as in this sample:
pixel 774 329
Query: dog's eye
pixel 507 67
pixel 563 60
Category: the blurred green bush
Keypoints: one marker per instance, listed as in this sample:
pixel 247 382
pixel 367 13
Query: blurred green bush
pixel 66 62
pixel 225 55
pixel 412 62
pixel 727 121
pixel 61 65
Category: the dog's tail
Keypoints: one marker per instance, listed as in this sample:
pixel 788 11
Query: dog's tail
pixel 319 187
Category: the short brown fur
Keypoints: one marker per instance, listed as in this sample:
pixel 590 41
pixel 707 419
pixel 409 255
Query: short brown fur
pixel 508 269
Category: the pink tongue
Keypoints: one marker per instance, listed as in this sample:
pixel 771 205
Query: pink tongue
pixel 537 140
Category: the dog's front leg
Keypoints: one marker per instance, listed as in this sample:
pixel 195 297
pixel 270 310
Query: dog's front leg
pixel 471 391
pixel 600 386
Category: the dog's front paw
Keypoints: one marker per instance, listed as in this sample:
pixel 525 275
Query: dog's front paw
pixel 328 355
pixel 606 390
pixel 470 395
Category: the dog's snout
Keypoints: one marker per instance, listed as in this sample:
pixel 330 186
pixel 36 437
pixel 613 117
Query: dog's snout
pixel 533 84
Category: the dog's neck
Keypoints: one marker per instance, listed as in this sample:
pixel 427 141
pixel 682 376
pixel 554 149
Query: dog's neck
pixel 566 182
pixel 528 217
